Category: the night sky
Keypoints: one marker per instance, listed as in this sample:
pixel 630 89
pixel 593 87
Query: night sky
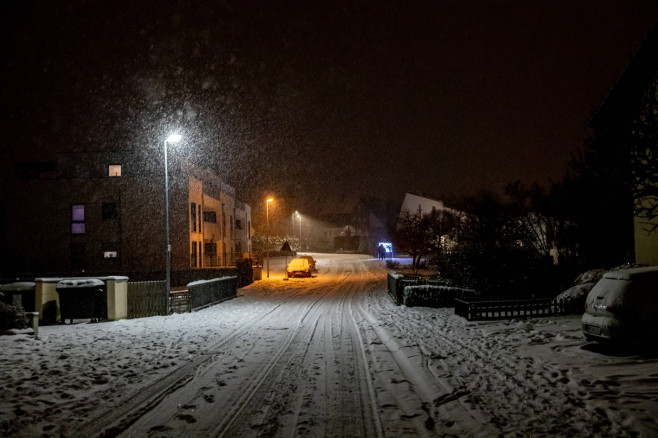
pixel 315 101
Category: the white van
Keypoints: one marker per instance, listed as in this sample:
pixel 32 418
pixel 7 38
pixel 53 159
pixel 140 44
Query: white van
pixel 623 306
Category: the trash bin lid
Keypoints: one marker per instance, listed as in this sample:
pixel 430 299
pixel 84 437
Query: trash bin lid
pixel 77 283
pixel 18 286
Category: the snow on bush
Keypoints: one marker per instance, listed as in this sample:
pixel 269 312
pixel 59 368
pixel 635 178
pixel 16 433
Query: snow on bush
pixel 590 276
pixel 11 317
pixel 432 296
pixel 596 274
pixel 573 299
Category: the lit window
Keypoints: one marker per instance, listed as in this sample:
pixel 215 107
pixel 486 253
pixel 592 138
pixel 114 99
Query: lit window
pixel 78 219
pixel 110 254
pixel 114 170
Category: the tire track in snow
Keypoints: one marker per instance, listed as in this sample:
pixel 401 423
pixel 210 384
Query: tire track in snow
pixel 251 414
pixel 255 396
pixel 407 381
pixel 114 419
pixel 328 399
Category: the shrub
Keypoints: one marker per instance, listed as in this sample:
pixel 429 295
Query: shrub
pixel 590 276
pixel 433 296
pixel 497 271
pixel 391 264
pixel 11 317
pixel 573 299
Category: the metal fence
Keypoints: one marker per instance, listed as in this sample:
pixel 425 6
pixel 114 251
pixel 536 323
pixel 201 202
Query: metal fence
pixel 147 298
pixel 206 293
pixel 396 285
pixel 501 309
pixel 180 301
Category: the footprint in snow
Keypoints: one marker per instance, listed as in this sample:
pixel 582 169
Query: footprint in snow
pixel 186 417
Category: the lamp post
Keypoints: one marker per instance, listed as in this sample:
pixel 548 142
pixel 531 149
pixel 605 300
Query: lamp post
pixel 267 218
pixel 173 138
pixel 299 216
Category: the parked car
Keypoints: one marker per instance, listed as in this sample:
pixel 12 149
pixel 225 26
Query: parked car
pixel 623 307
pixel 311 261
pixel 299 267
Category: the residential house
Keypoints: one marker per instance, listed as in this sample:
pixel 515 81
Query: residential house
pixel 634 97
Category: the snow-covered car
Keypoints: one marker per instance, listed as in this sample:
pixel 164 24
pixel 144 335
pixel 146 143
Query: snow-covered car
pixel 311 261
pixel 623 307
pixel 299 267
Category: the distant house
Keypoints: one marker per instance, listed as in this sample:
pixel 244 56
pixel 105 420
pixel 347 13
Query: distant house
pixel 422 205
pixel 357 225
pixel 418 205
pixel 614 123
pixel 103 213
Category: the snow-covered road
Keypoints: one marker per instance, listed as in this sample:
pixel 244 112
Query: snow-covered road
pixel 326 356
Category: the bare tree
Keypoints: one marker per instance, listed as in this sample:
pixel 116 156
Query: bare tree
pixel 422 234
pixel 543 222
pixel 644 158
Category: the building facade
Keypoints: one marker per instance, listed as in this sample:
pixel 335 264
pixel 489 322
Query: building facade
pixel 99 213
pixel 627 122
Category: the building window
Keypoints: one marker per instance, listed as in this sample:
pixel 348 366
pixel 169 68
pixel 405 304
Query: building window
pixel 193 256
pixel 200 216
pixel 231 222
pixel 193 216
pixel 109 254
pixel 210 249
pixel 109 211
pixel 223 225
pixel 238 224
pixel 210 216
pixel 114 170
pixel 78 219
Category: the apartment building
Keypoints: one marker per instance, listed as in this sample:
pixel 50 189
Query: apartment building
pixel 104 213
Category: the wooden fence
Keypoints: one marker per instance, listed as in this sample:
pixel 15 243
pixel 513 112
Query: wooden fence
pixel 147 298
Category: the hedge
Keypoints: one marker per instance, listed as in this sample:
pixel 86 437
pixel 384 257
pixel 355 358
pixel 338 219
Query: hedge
pixel 433 296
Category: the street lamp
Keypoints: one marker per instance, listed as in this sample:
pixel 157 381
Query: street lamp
pixel 299 216
pixel 267 219
pixel 173 138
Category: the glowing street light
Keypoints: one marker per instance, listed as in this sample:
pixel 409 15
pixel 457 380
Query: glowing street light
pixel 173 138
pixel 267 218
